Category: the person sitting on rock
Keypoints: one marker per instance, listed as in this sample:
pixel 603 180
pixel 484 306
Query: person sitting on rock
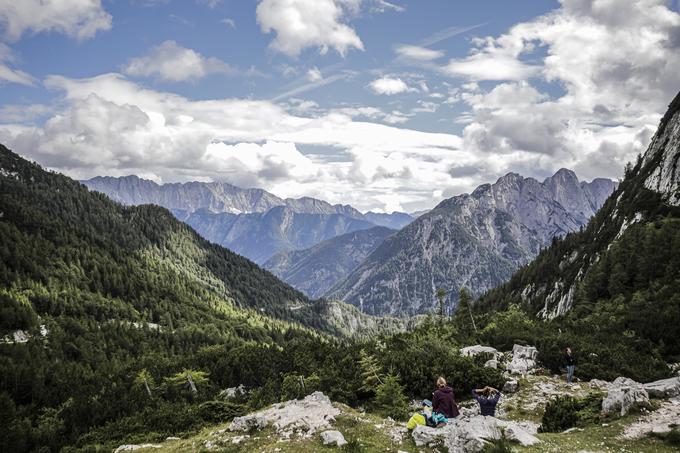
pixel 487 398
pixel 443 401
pixel 422 417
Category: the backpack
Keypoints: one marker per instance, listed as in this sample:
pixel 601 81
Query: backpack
pixel 436 419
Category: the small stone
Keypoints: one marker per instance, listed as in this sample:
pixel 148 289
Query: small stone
pixel 333 438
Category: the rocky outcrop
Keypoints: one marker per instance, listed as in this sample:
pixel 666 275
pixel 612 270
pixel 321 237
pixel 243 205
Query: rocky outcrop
pixel 523 359
pixel 133 447
pixel 471 351
pixel 304 416
pixel 471 434
pixel 665 150
pixel 475 240
pixel 665 388
pixel 621 398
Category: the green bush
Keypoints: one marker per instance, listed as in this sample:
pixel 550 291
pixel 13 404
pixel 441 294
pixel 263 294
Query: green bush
pixel 566 412
pixel 220 411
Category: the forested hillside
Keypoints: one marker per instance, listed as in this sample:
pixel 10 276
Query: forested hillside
pixel 104 308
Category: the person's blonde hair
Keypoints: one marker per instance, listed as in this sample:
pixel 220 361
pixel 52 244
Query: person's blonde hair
pixel 441 382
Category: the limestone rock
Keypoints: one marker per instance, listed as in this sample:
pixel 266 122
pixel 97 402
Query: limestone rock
pixel 665 388
pixel 523 359
pixel 471 433
pixel 621 398
pixel 599 384
pixel 425 435
pixel 233 392
pixel 333 438
pixel 471 351
pixel 493 363
pixel 309 414
pixel 132 447
pixel 515 433
pixel 625 382
pixel 511 386
pixel 247 423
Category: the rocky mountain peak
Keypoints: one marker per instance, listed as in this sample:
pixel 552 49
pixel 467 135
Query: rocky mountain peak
pixel 664 154
pixel 475 241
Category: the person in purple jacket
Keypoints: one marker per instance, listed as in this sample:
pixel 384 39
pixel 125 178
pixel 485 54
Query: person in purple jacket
pixel 443 401
pixel 487 398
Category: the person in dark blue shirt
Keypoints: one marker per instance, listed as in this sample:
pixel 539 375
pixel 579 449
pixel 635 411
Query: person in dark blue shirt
pixel 487 398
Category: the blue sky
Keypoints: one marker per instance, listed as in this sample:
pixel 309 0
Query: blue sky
pixel 384 105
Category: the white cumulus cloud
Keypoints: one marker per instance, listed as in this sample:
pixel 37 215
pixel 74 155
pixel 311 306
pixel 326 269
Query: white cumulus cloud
pixel 300 24
pixel 172 62
pixel 80 19
pixel 389 86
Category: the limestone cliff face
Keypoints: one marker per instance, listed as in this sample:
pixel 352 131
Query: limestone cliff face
pixel 474 240
pixel 664 155
pixel 650 187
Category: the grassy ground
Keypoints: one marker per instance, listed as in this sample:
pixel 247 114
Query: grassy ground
pixel 359 429
pixel 371 433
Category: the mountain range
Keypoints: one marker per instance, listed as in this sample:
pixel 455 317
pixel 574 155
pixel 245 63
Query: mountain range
pixel 476 241
pixel 251 222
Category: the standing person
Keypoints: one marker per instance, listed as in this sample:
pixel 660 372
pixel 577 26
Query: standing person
pixel 487 398
pixel 443 401
pixel 570 360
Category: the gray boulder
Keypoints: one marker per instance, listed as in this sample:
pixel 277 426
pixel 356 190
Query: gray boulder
pixel 333 438
pixel 622 398
pixel 511 386
pixel 523 359
pixel 515 433
pixel 471 351
pixel 599 384
pixel 665 388
pixel 133 447
pixel 625 382
pixel 309 414
pixel 248 422
pixel 493 363
pixel 471 434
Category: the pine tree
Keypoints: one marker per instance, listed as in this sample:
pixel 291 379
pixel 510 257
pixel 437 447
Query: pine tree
pixel 441 294
pixel 371 372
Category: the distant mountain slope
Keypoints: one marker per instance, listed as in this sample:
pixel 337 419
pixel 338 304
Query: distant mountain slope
pixel 315 270
pixel 475 241
pixel 258 236
pixel 629 254
pixel 394 221
pixel 251 222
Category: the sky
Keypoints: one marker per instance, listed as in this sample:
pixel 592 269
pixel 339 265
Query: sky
pixel 384 105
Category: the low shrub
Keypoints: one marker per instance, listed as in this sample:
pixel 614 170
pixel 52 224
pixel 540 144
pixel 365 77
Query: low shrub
pixel 566 412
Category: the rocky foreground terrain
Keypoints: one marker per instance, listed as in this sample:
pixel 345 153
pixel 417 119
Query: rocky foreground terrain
pixel 634 417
